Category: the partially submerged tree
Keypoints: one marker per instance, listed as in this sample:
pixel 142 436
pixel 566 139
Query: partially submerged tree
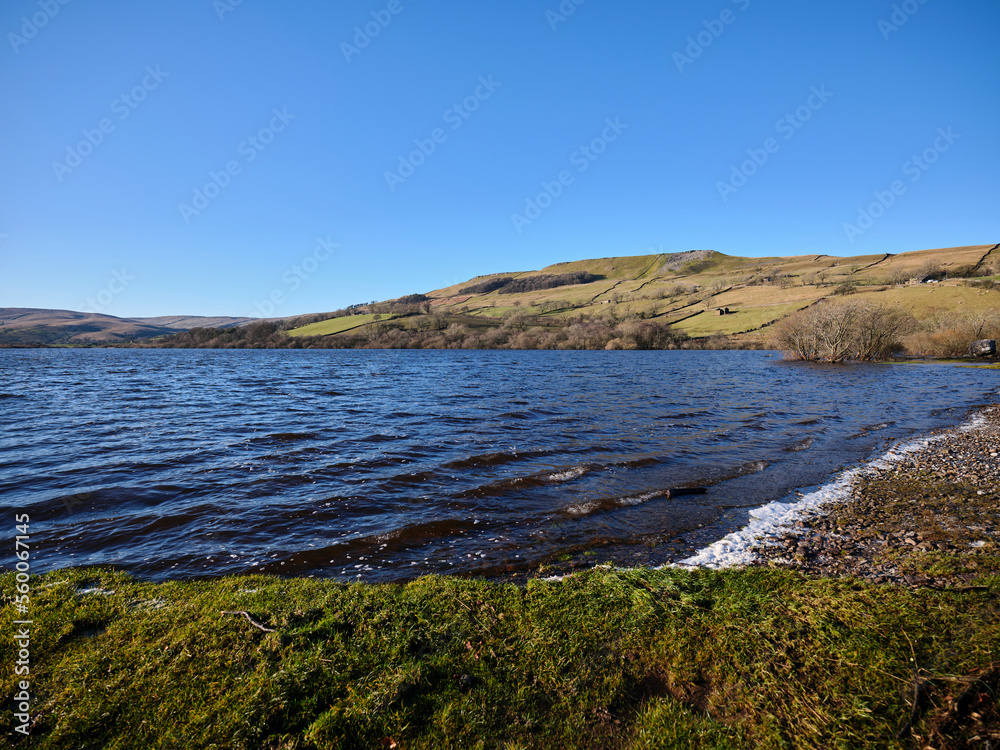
pixel 879 331
pixel 861 331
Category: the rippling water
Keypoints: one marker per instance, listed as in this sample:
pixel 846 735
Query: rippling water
pixel 390 464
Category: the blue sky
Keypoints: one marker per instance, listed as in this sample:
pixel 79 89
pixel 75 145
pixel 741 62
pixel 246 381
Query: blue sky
pixel 338 166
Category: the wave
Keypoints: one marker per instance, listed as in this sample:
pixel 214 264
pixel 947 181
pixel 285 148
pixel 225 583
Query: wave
pixel 864 431
pixel 569 474
pixel 735 548
pixel 593 506
pixel 281 437
pixel 486 460
pixel 612 503
pixel 502 486
pixel 801 445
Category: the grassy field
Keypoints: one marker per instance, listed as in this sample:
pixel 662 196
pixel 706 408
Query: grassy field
pixel 928 300
pixel 335 325
pixel 741 320
pixel 604 659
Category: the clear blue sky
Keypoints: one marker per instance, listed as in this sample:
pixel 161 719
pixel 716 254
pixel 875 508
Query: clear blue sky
pixel 201 79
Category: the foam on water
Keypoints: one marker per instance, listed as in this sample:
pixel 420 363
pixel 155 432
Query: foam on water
pixel 586 508
pixel 565 476
pixel 735 548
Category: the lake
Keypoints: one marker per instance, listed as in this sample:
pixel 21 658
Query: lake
pixel 386 465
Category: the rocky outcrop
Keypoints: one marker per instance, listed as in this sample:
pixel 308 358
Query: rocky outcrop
pixel 984 348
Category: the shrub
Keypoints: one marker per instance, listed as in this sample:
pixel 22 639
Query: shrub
pixel 899 276
pixel 951 335
pixel 879 330
pixel 860 331
pixel 411 299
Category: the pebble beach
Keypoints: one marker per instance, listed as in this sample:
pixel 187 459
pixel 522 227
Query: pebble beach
pixel 928 518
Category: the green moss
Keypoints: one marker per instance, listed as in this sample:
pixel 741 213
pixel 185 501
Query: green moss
pixel 637 659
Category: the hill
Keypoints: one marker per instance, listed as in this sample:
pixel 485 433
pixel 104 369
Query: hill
pixel 647 301
pixel 20 326
pixel 699 293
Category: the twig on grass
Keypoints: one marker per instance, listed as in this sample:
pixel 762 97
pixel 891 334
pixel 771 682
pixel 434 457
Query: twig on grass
pixel 252 621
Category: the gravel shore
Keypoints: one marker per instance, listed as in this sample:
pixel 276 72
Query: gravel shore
pixel 931 519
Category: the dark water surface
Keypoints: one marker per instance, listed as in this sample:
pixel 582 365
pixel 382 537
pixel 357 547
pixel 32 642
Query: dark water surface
pixel 390 464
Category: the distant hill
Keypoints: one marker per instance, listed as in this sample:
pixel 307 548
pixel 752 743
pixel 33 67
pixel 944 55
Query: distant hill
pixel 187 322
pixel 21 326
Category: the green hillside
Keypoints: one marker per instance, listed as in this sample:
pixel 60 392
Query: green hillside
pixel 688 290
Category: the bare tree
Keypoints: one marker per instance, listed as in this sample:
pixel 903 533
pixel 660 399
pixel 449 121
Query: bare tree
pixel 835 331
pixel 983 323
pixel 930 270
pixel 879 330
pixel 838 332
pixel 899 276
pixel 796 337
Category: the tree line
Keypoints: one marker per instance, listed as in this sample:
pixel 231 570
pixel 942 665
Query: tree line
pixel 518 331
pixel 511 285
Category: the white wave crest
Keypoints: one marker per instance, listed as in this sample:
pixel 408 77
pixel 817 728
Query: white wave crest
pixel 734 549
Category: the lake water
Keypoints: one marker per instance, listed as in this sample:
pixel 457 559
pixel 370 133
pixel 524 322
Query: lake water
pixel 390 464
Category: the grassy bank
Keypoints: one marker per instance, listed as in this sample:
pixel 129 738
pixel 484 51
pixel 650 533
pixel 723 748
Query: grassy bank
pixel 604 659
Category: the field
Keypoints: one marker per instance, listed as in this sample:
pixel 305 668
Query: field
pixel 335 325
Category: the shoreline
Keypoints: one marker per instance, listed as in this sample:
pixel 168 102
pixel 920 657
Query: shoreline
pixel 895 519
pixel 815 645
